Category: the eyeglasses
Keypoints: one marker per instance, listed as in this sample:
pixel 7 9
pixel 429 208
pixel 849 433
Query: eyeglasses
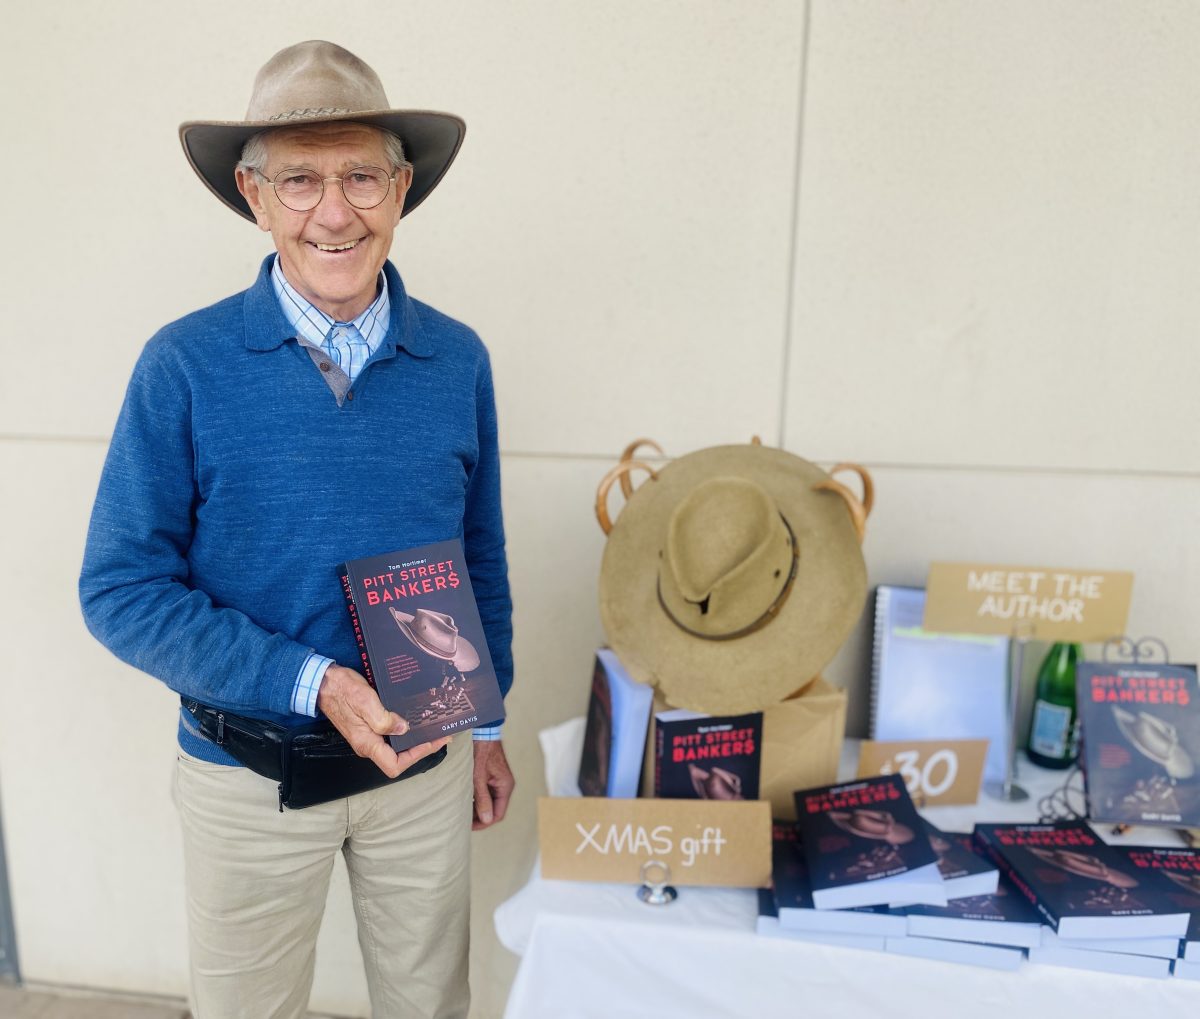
pixel 300 189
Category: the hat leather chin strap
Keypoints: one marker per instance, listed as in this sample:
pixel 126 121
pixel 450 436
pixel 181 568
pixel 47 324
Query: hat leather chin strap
pixel 771 612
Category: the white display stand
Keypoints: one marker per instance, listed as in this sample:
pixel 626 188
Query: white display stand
pixel 593 951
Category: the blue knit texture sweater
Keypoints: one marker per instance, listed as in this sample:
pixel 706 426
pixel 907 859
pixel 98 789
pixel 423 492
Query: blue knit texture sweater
pixel 235 484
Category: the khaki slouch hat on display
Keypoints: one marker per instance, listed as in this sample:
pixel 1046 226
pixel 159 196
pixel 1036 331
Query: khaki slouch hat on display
pixel 732 575
pixel 318 82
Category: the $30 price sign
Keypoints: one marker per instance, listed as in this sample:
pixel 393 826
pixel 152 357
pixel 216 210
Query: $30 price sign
pixel 942 772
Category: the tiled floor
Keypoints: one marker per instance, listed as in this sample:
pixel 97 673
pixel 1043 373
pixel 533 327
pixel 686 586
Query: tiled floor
pixel 23 1003
pixel 18 1003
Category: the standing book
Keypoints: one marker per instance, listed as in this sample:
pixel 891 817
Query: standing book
pixel 614 740
pixel 865 845
pixel 1141 742
pixel 1082 888
pixel 707 757
pixel 421 640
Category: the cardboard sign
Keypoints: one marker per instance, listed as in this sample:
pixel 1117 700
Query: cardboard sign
pixel 937 772
pixel 704 842
pixel 1038 601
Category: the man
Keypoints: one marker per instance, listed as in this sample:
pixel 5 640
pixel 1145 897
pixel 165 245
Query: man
pixel 320 416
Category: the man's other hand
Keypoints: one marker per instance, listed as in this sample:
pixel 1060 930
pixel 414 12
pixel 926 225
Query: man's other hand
pixel 348 701
pixel 493 781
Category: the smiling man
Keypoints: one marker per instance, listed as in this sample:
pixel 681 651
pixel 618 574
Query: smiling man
pixel 257 448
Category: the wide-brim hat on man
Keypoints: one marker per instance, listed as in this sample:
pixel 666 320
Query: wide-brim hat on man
pixel 1156 739
pixel 436 634
pixel 732 575
pixel 319 82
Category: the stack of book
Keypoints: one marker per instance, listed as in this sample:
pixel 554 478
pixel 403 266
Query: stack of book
pixel 1101 911
pixel 1054 893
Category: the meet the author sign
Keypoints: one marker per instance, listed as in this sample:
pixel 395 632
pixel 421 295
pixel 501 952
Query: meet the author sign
pixel 1044 602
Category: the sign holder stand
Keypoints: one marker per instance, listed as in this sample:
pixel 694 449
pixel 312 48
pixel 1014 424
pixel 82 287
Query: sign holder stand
pixel 1008 790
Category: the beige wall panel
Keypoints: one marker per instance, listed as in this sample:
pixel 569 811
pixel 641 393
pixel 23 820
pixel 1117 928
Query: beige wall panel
pixel 1144 524
pixel 554 548
pixel 617 226
pixel 86 755
pixel 998 235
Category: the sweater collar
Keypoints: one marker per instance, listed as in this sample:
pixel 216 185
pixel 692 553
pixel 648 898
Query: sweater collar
pixel 266 327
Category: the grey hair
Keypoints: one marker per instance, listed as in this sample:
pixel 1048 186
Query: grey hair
pixel 254 152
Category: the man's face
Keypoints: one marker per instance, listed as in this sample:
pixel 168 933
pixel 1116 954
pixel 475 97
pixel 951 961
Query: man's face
pixel 312 245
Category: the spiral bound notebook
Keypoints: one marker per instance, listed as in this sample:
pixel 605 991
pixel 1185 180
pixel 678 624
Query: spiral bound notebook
pixel 935 685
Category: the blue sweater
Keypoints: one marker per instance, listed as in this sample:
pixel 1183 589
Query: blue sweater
pixel 235 484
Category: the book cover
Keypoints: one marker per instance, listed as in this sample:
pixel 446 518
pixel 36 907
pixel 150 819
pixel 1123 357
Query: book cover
pixel 936 685
pixel 1176 872
pixel 794 900
pixel 423 644
pixel 1002 918
pixel 1141 742
pixel 614 740
pixel 707 757
pixel 1081 887
pixel 964 872
pixel 865 845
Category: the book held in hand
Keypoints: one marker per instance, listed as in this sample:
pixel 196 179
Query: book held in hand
pixel 1082 887
pixel 865 845
pixel 614 740
pixel 707 757
pixel 421 640
pixel 1141 742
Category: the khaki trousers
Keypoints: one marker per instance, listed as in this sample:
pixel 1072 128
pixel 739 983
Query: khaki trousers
pixel 257 880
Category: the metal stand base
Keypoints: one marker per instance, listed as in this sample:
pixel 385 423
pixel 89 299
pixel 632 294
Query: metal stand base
pixel 1009 792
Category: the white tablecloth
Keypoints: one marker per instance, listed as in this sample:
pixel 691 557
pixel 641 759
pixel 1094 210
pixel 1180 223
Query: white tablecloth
pixel 594 951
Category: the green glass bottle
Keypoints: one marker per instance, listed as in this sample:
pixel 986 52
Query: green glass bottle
pixel 1053 730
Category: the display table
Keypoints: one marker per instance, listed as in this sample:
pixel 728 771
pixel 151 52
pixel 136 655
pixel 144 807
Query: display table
pixel 594 950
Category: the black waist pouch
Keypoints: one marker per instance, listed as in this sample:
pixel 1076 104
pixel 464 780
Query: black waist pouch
pixel 312 763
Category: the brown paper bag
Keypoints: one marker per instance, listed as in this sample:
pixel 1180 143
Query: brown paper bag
pixel 802 744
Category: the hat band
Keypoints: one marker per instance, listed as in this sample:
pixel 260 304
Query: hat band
pixel 771 612
pixel 311 111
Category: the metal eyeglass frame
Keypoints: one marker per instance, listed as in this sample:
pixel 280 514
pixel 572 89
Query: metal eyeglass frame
pixel 272 181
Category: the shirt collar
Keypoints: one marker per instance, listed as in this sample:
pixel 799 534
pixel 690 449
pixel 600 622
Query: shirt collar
pixel 313 325
pixel 265 326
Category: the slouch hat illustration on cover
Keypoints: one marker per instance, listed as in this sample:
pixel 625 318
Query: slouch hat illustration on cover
pixel 732 575
pixel 1156 739
pixel 436 634
pixel 318 82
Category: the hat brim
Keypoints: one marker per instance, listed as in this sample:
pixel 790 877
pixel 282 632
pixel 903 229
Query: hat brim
pixel 431 141
pixel 755 671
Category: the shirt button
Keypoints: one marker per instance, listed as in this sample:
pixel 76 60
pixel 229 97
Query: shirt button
pixel 324 366
pixel 349 396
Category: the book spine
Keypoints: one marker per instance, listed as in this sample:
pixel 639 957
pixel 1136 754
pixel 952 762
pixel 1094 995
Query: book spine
pixel 364 658
pixel 993 853
pixel 659 738
pixel 878 649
